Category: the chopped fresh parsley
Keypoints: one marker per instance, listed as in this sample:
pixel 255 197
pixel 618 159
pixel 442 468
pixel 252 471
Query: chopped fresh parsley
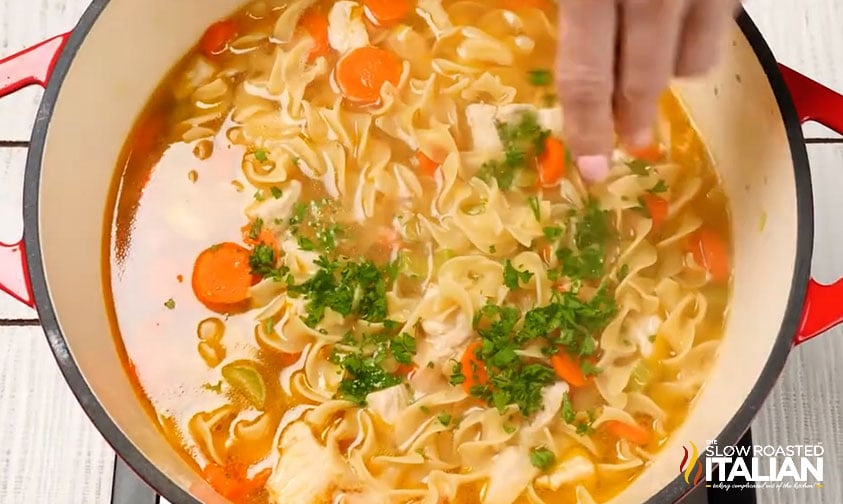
pixel 533 201
pixel 522 139
pixel 256 228
pixel 591 238
pixel 568 413
pixel 260 155
pixel 276 192
pixel 552 232
pixel 313 227
pixel 170 304
pixel 363 358
pixel 585 427
pixel 457 376
pixel 362 375
pixel 403 348
pixel 346 287
pixel 262 262
pixel 540 77
pixel 444 419
pixel 639 167
pixel 492 249
pixel 259 195
pixel 542 458
pixel 512 277
pixel 660 187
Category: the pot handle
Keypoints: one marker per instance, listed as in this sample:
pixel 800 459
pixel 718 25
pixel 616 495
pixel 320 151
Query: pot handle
pixel 30 66
pixel 814 102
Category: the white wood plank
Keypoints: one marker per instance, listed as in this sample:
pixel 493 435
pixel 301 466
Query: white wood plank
pixel 24 23
pixel 806 36
pixel 12 162
pixel 805 406
pixel 50 453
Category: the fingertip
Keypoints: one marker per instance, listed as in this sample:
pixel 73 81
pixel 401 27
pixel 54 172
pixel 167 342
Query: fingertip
pixel 593 168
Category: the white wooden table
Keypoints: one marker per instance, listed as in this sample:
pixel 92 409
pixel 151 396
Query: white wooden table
pixel 51 454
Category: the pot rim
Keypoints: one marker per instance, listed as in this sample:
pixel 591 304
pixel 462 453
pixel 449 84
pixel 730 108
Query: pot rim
pixel 159 481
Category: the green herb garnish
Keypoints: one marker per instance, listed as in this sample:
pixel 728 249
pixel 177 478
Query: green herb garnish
pixel 276 192
pixel 522 140
pixel 256 228
pixel 348 288
pixel 444 419
pixel 512 277
pixel 540 77
pixel 533 201
pixel 403 348
pixel 639 167
pixel 170 304
pixel 260 155
pixel 542 458
pixel 660 187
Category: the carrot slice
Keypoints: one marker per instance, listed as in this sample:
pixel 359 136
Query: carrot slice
pixel 222 276
pixel 362 72
pixel 315 22
pixel 658 208
pixel 427 166
pixel 552 162
pixel 217 37
pixel 710 252
pixel 633 433
pixel 232 483
pixel 473 368
pixel 406 369
pixel 652 153
pixel 265 236
pixel 387 12
pixel 568 369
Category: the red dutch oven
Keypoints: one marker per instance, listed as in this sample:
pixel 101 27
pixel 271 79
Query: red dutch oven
pixel 98 77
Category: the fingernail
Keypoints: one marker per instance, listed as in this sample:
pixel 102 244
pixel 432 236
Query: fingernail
pixel 642 139
pixel 593 168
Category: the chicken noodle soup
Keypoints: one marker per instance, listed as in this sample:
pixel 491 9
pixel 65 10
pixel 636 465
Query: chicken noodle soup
pixel 349 241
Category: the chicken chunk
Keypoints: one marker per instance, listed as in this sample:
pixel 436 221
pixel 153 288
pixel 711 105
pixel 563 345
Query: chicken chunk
pixel 302 457
pixel 346 29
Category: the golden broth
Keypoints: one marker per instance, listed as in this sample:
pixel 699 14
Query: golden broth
pixel 192 164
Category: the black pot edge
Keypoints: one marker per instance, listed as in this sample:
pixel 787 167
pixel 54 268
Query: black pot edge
pixel 674 491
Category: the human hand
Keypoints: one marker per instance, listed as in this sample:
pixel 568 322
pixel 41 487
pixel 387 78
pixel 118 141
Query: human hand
pixel 615 58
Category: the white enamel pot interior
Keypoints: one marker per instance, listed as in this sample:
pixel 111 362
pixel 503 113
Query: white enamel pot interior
pixel 123 48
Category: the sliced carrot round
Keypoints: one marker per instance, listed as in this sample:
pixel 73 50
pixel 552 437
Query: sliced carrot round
pixel 552 162
pixel 652 153
pixel 265 236
pixel 426 165
pixel 315 22
pixel 217 37
pixel 387 12
pixel 362 73
pixel 568 369
pixel 473 368
pixel 633 433
pixel 658 208
pixel 222 276
pixel 710 252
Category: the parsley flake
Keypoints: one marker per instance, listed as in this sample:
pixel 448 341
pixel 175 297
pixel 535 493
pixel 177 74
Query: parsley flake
pixel 540 77
pixel 542 458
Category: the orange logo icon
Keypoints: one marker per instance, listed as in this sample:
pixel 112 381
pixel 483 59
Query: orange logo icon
pixel 691 465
